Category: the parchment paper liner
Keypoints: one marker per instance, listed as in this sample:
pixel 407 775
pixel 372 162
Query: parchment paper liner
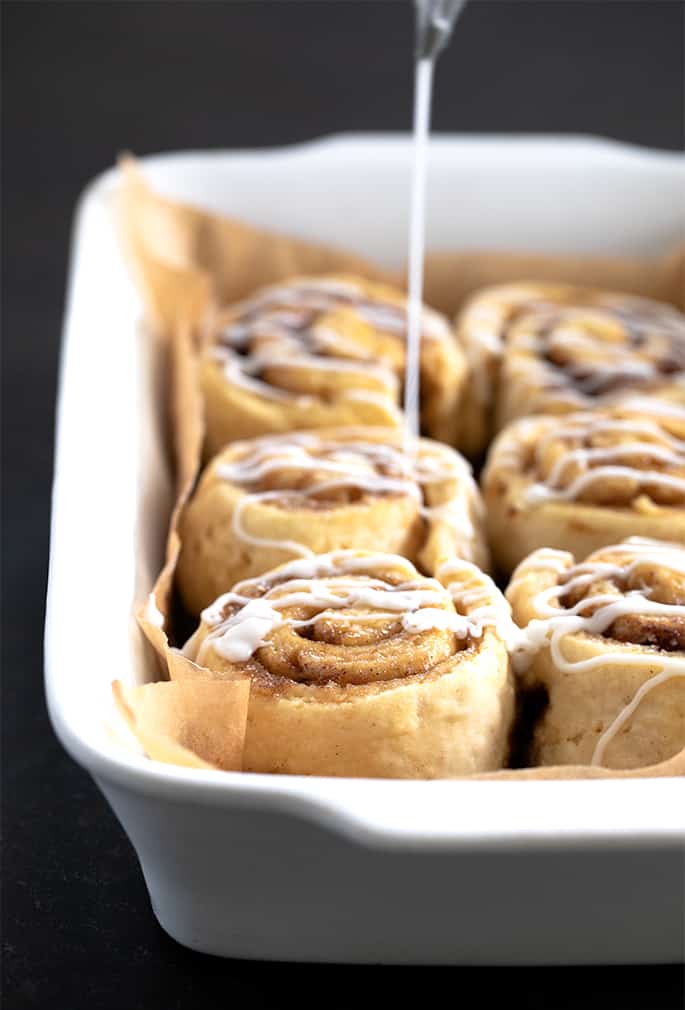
pixel 187 722
pixel 188 262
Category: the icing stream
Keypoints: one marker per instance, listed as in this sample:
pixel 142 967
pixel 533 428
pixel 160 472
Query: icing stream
pixel 309 470
pixel 285 327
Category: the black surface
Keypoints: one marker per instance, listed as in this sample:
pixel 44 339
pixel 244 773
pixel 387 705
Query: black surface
pixel 81 81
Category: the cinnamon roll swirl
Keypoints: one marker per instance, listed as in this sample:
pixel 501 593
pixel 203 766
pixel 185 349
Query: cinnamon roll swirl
pixel 605 640
pixel 317 352
pixel 553 348
pixel 582 481
pixel 267 500
pixel 360 666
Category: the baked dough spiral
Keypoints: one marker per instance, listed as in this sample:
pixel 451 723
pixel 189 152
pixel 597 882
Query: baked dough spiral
pixel 605 640
pixel 267 500
pixel 360 666
pixel 553 348
pixel 582 481
pixel 322 351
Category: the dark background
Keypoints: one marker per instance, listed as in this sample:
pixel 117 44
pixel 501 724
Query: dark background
pixel 82 81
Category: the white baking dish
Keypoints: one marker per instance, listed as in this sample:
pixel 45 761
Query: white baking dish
pixel 318 869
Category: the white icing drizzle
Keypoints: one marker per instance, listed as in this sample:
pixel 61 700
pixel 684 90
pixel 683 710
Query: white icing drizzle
pixel 355 463
pixel 574 328
pixel 670 410
pixel 483 328
pixel 244 632
pixel 649 441
pixel 243 371
pixel 588 373
pixel 380 399
pixel 486 321
pixel 479 596
pixel 624 715
pixel 555 622
pixel 300 550
pixel 284 318
pixel 236 373
pixel 546 559
pixel 431 618
pixel 325 294
pixel 330 584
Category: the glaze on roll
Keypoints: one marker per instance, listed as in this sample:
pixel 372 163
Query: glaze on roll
pixel 604 638
pixel 267 500
pixel 323 351
pixel 360 666
pixel 582 481
pixel 542 348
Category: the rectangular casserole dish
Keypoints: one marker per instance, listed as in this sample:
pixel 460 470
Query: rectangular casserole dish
pixel 295 868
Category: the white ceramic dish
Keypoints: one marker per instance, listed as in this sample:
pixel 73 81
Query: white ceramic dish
pixel 309 868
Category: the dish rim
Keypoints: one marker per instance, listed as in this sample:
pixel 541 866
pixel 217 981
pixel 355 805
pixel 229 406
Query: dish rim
pixel 588 813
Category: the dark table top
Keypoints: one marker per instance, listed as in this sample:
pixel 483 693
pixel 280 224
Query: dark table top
pixel 83 81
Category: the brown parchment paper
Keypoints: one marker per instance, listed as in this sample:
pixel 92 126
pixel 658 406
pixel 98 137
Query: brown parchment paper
pixel 186 718
pixel 188 262
pixel 451 277
pixel 171 242
pixel 188 723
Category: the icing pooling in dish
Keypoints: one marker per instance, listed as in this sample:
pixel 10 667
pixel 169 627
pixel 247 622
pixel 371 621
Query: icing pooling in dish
pixel 625 580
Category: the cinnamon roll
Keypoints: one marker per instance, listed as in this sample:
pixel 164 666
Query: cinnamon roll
pixel 582 481
pixel 360 666
pixel 264 501
pixel 553 348
pixel 604 639
pixel 317 352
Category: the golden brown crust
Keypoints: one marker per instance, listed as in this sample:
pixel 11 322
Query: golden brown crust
pixel 319 352
pixel 187 257
pixel 554 348
pixel 356 692
pixel 615 689
pixel 583 481
pixel 264 501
